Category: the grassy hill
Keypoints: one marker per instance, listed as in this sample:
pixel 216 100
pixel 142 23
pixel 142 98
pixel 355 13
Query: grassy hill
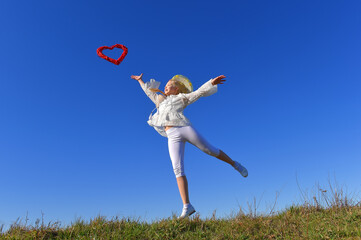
pixel 329 215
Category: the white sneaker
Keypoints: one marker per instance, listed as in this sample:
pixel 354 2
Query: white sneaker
pixel 240 169
pixel 187 212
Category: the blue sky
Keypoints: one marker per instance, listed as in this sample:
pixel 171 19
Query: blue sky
pixel 74 141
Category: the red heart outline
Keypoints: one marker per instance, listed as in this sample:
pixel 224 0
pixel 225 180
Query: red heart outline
pixel 119 60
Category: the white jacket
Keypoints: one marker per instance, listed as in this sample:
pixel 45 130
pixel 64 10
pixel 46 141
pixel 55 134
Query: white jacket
pixel 170 108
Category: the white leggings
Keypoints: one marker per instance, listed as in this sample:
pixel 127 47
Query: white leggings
pixel 177 137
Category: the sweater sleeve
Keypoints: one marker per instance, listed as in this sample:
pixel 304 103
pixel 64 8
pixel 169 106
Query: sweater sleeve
pixel 205 90
pixel 146 88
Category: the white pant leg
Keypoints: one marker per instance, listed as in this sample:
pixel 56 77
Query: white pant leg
pixel 177 136
pixel 192 136
pixel 176 145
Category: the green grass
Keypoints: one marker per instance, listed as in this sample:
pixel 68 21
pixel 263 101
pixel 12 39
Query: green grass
pixel 327 215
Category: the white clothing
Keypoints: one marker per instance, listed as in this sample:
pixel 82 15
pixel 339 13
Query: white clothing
pixel 170 108
pixel 177 137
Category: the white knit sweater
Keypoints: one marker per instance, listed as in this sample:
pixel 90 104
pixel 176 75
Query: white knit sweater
pixel 170 108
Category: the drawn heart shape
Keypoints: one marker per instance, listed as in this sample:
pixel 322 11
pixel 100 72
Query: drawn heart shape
pixel 119 60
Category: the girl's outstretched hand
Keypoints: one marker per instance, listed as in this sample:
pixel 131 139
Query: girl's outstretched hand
pixel 137 77
pixel 218 80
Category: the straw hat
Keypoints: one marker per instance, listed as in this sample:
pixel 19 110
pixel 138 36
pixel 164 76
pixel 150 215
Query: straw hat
pixel 183 80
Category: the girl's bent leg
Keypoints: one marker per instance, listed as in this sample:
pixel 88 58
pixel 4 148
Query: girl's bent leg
pixel 200 142
pixel 192 136
pixel 183 188
pixel 224 157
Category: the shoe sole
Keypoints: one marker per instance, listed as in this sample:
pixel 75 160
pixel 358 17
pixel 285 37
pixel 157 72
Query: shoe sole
pixel 188 215
pixel 244 173
pixel 192 213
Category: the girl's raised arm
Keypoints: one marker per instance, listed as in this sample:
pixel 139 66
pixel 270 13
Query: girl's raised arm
pixel 147 87
pixel 205 90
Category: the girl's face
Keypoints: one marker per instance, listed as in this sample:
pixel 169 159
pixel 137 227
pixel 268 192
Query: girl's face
pixel 170 88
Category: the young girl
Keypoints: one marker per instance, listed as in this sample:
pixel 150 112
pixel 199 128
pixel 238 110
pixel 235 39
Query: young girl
pixel 170 122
